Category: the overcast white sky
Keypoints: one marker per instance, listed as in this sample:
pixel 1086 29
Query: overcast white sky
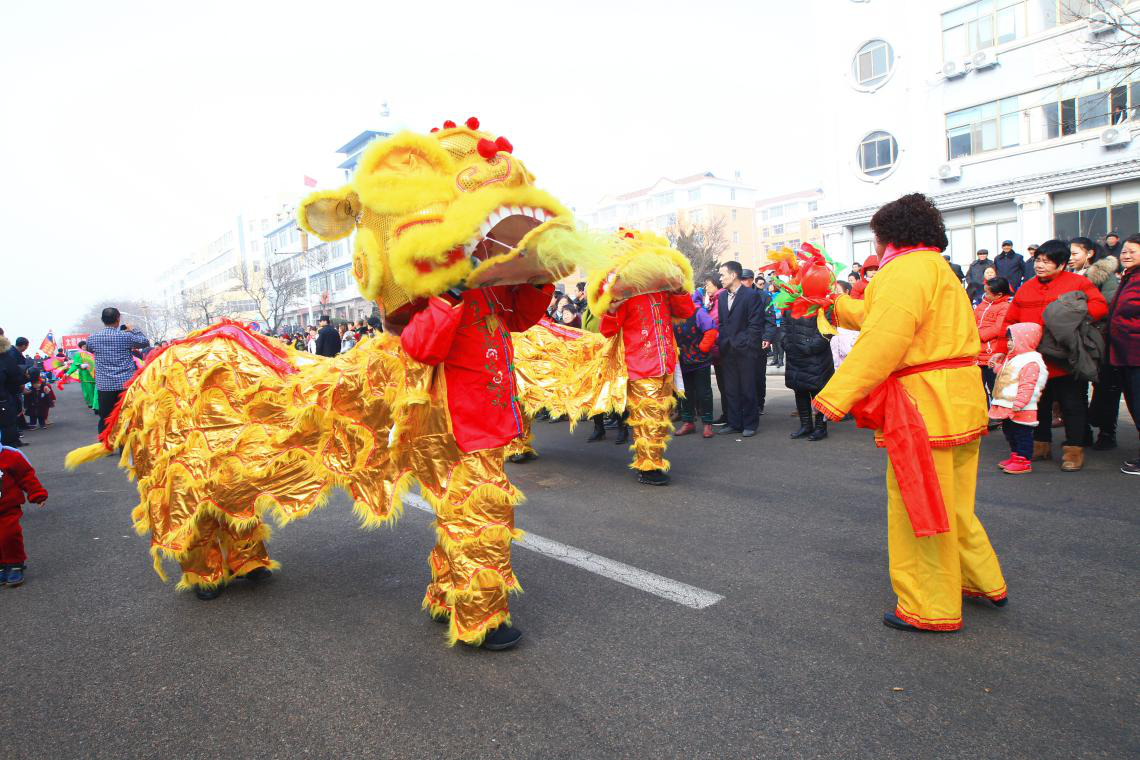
pixel 130 130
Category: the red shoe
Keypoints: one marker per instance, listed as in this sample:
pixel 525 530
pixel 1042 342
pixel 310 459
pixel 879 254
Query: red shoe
pixel 687 429
pixel 1006 462
pixel 1019 465
pixel 708 433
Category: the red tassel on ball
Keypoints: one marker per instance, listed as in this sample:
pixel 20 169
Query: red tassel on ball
pixel 449 124
pixel 505 145
pixel 472 123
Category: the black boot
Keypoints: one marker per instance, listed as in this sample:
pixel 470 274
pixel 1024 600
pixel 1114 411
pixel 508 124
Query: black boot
pixel 503 637
pixel 803 407
pixel 622 434
pixel 820 431
pixel 599 433
pixel 653 478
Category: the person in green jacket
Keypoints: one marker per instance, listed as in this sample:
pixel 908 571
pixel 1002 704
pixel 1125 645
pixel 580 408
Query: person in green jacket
pixel 83 365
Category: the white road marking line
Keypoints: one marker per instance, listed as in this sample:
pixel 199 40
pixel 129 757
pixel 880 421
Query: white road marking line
pixel 643 580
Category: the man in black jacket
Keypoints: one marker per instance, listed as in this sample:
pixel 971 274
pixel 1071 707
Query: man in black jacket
pixel 975 275
pixel 1010 265
pixel 741 332
pixel 12 379
pixel 328 339
pixel 749 280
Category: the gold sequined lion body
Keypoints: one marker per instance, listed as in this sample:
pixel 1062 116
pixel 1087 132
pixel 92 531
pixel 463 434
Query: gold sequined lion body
pixel 458 247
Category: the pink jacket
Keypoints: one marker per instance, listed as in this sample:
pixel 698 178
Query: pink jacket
pixel 1021 378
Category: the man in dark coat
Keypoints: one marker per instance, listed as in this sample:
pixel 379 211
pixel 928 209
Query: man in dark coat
pixel 740 311
pixel 976 276
pixel 1112 245
pixel 11 390
pixel 1010 265
pixel 328 339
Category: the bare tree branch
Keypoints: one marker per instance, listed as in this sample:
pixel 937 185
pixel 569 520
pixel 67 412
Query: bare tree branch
pixel 1111 44
pixel 701 244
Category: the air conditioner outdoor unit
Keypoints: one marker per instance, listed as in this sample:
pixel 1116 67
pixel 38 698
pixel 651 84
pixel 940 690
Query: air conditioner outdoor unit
pixel 1101 22
pixel 953 70
pixel 1112 137
pixel 984 59
pixel 948 171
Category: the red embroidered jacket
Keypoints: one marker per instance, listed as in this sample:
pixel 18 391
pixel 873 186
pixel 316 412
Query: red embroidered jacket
pixel 472 340
pixel 646 324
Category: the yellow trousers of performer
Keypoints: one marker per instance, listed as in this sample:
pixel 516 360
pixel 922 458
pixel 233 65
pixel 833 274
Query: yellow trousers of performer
pixel 931 574
pixel 650 402
pixel 221 552
pixel 471 562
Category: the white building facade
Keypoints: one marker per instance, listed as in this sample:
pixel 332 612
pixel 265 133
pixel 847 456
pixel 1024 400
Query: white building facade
pixel 979 105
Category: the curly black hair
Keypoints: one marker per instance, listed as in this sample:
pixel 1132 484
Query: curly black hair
pixel 909 221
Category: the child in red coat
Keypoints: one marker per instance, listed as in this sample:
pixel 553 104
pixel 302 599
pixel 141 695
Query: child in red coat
pixel 17 478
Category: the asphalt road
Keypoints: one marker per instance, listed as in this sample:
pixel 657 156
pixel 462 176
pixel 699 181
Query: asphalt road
pixel 333 657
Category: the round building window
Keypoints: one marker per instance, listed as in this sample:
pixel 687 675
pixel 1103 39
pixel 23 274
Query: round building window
pixel 878 152
pixel 873 64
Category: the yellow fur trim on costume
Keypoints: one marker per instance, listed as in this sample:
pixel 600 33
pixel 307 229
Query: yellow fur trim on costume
pixel 368 264
pixel 85 454
pixel 644 263
pixel 329 214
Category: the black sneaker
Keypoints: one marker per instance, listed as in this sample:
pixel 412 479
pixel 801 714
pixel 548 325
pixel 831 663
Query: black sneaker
pixel 258 574
pixel 721 420
pixel 599 434
pixel 653 478
pixel 503 637
pixel 521 458
pixel 1131 468
pixel 1105 443
pixel 206 594
pixel 622 436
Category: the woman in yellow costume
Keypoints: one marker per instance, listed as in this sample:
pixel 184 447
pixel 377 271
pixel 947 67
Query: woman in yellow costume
pixel 912 377
pixel 459 248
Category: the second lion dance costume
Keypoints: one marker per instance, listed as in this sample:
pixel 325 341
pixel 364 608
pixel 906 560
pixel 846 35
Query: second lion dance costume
pixel 912 376
pixel 639 291
pixel 458 247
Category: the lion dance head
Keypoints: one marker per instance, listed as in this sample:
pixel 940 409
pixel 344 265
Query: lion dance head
pixel 451 208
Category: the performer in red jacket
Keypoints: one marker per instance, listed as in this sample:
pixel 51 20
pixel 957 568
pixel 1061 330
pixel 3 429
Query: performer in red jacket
pixel 17 478
pixel 646 325
pixel 469 334
pixel 1029 305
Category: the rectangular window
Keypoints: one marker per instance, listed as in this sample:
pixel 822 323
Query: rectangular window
pixel 1093 110
pixel 663 199
pixel 695 195
pixel 778 229
pixel 339 280
pixel 1125 220
pixel 981 25
pixel 735 237
pixel 1068 117
pixel 813 205
pixel 734 215
pixel 732 194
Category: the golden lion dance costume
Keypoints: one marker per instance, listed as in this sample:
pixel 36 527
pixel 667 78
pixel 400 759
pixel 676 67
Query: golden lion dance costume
pixel 912 376
pixel 458 247
pixel 642 288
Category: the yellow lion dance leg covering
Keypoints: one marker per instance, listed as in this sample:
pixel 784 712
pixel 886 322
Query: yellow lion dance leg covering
pixel 221 552
pixel 650 404
pixel 471 563
pixel 524 444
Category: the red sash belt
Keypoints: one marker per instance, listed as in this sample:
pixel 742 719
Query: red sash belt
pixel 891 409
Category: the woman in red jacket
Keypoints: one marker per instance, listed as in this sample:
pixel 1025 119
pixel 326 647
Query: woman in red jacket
pixel 990 315
pixel 1029 306
pixel 1124 335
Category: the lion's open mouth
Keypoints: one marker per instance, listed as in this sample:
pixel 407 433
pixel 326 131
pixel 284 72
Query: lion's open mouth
pixel 503 230
pixel 499 252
